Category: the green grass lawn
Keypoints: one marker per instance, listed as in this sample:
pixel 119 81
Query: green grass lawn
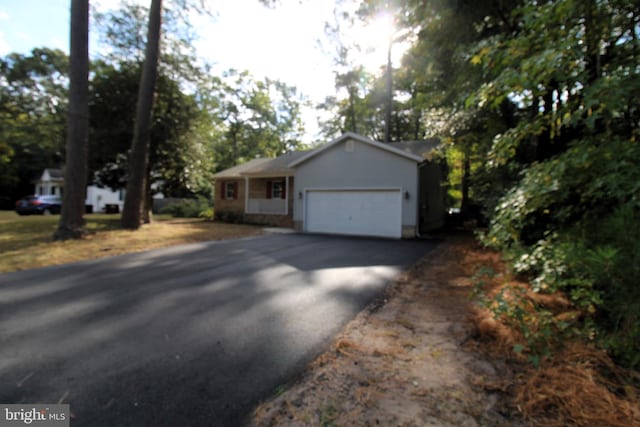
pixel 26 241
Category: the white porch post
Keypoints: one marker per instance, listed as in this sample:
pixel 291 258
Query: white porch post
pixel 246 193
pixel 286 195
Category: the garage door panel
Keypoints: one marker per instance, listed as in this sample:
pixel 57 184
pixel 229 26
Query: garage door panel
pixel 366 213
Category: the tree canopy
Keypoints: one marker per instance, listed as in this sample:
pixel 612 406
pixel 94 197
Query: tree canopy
pixel 33 102
pixel 202 121
pixel 540 114
pixel 535 102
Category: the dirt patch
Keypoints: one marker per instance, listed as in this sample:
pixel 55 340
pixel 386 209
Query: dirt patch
pixel 406 362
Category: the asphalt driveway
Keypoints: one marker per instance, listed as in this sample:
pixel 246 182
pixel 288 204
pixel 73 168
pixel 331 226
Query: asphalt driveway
pixel 193 335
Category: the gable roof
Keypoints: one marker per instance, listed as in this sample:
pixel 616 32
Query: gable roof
pixel 50 175
pixel 412 150
pixel 285 164
pixel 56 173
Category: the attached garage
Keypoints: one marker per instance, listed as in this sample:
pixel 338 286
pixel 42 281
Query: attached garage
pixel 370 212
pixel 357 186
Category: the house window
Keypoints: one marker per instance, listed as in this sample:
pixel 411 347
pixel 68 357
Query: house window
pixel 230 190
pixel 121 195
pixel 53 190
pixel 277 190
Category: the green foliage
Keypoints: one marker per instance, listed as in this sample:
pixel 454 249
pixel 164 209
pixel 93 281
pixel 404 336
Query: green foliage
pixel 190 208
pixel 540 330
pixel 570 222
pixel 537 105
pixel 178 157
pixel 548 142
pixel 207 214
pixel 33 104
pixel 251 117
pixel 587 200
pixel 124 32
pixel 596 264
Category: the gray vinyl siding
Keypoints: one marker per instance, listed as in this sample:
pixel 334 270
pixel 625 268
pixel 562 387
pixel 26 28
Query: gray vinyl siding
pixel 365 167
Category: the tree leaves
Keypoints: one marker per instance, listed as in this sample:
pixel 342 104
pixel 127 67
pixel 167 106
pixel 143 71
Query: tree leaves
pixel 253 118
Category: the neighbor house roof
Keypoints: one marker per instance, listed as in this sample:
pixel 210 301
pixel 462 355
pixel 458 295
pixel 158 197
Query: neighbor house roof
pixel 50 175
pixel 412 150
pixel 56 173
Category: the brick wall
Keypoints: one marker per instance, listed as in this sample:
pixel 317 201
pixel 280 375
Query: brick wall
pixel 273 220
pixel 233 209
pixel 234 205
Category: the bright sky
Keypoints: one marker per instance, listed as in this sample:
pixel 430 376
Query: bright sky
pixel 280 43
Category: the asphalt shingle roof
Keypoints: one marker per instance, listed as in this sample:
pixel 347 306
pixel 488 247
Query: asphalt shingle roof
pixel 56 173
pixel 279 166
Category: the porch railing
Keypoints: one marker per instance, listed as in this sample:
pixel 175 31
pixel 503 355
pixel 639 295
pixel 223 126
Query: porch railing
pixel 266 206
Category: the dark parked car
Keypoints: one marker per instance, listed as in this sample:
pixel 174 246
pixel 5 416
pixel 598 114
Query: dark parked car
pixel 39 205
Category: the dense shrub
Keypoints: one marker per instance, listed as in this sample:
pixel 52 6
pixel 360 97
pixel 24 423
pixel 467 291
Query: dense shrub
pixel 573 225
pixel 190 208
pixel 232 217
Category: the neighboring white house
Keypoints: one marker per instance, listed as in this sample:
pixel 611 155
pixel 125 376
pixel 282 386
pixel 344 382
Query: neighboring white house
pixel 52 183
pixel 99 198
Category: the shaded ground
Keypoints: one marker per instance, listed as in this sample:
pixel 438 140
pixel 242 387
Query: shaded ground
pixel 405 362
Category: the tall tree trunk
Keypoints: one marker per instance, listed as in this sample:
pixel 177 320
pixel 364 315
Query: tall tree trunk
pixel 72 224
pixel 592 41
pixel 132 212
pixel 417 114
pixel 148 199
pixel 389 98
pixel 353 93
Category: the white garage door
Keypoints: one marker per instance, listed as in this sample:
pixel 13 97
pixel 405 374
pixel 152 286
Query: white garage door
pixel 357 212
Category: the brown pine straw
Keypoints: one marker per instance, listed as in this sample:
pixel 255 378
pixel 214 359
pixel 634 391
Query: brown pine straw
pixel 581 386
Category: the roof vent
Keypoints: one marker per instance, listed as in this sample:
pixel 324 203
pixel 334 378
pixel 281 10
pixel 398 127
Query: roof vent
pixel 349 146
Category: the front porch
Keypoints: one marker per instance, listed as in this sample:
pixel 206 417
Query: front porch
pixel 269 200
